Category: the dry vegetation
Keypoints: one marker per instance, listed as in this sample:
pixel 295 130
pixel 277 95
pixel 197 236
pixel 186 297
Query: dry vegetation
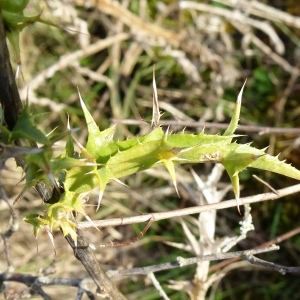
pixel 202 52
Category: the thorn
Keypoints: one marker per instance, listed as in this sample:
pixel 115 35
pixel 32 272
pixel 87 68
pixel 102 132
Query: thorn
pixel 237 199
pixel 138 141
pixel 68 123
pixel 99 199
pixel 239 98
pixel 50 235
pixel 37 245
pixel 18 71
pixel 175 186
pixel 255 157
pixel 80 98
pixel 155 112
pixel 177 192
pixel 78 144
pixel 90 164
pixel 91 221
pixel 167 131
pixel 27 96
pixel 120 182
pixel 51 131
pixel 266 184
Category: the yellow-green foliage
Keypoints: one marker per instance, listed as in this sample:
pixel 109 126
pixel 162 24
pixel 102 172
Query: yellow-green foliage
pixel 103 160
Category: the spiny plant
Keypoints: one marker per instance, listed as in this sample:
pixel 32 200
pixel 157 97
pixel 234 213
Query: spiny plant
pixel 103 159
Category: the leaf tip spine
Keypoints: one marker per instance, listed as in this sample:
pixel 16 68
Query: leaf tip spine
pixel 91 221
pixel 80 98
pixel 176 188
pixel 99 199
pixel 120 182
pixel 238 202
pixel 167 132
pixel 155 112
pixel 239 97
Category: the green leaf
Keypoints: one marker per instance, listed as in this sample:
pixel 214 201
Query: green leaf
pixel 273 164
pixel 104 160
pixel 97 140
pixel 36 221
pixel 25 129
pixel 236 114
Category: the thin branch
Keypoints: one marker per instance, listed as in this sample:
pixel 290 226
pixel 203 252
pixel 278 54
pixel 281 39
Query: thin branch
pixel 261 130
pixel 244 24
pixel 137 25
pixel 137 238
pixel 158 286
pixel 29 280
pixel 12 228
pixel 191 210
pixel 86 256
pixel 267 12
pixel 236 16
pixel 265 183
pixel 280 268
pixel 181 262
pixel 276 240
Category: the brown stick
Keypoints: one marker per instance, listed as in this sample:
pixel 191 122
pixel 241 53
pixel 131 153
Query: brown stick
pixel 82 251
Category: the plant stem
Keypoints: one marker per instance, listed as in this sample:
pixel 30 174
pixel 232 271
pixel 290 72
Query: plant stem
pixel 9 95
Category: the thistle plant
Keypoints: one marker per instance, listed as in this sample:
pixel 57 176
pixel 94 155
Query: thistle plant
pixel 75 173
pixel 102 160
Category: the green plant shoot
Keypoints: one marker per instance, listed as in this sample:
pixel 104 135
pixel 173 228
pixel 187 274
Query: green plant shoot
pixel 103 160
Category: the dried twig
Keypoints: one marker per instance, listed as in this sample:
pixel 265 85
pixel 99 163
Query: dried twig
pixel 137 25
pixel 137 238
pixel 86 256
pixel 191 210
pixel 261 130
pixel 180 262
pixel 40 281
pixel 259 9
pixel 278 239
pixel 280 268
